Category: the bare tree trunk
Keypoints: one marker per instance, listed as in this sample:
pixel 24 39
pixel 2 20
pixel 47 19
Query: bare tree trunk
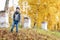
pixel 6 5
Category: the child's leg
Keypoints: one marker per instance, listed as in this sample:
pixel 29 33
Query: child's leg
pixel 12 27
pixel 17 27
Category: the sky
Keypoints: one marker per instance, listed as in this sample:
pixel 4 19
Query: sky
pixel 11 3
pixel 2 4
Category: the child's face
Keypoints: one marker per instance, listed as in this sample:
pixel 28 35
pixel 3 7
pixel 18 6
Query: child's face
pixel 17 10
pixel 26 20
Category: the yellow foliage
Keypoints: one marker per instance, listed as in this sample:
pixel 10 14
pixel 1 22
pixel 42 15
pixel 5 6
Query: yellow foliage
pixel 42 10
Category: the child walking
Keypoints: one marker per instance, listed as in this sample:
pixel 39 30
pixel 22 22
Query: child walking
pixel 16 19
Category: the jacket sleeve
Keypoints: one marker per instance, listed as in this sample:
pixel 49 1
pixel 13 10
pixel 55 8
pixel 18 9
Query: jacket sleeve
pixel 19 18
pixel 14 16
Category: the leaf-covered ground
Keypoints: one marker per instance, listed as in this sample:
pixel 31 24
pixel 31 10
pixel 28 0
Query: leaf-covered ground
pixel 28 34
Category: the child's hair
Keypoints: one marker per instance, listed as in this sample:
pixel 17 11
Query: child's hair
pixel 25 17
pixel 17 8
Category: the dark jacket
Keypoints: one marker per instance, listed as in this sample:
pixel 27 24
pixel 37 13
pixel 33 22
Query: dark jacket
pixel 18 16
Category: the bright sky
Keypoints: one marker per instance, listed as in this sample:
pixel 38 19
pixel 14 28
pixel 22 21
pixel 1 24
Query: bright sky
pixel 11 3
pixel 2 4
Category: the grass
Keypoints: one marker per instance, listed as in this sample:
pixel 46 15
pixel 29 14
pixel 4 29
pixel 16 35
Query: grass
pixel 45 32
pixel 41 33
pixel 54 33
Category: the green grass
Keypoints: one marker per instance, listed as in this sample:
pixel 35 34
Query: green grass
pixel 54 33
pixel 45 32
pixel 41 31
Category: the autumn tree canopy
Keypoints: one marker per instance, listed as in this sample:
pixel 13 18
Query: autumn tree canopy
pixel 41 10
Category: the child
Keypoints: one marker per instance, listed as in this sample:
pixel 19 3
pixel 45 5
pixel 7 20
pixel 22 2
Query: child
pixel 16 19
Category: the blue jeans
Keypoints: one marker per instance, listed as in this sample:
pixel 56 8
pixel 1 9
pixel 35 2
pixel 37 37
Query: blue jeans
pixel 14 23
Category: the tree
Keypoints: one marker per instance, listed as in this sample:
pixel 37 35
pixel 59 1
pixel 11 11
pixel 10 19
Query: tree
pixel 43 10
